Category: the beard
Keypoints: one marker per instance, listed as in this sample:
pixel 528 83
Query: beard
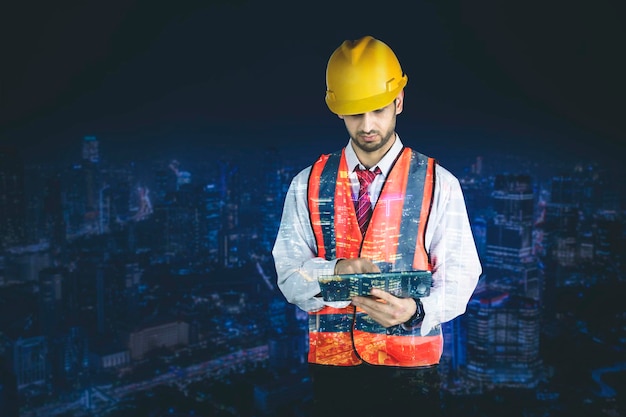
pixel 373 146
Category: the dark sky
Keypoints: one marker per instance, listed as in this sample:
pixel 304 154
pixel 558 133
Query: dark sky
pixel 505 76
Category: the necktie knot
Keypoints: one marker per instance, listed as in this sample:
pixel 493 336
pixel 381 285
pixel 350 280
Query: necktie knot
pixel 366 176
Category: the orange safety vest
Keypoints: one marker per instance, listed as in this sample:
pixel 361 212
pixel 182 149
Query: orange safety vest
pixel 395 237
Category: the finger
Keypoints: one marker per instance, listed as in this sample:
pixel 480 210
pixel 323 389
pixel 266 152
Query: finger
pixel 385 296
pixel 373 306
pixel 366 303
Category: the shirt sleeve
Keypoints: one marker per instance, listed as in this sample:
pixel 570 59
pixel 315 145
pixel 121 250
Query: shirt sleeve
pixel 295 254
pixel 453 254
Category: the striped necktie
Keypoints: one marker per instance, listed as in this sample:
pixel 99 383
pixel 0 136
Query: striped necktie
pixel 364 204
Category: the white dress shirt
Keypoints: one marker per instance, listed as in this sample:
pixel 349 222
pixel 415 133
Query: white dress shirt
pixel 448 240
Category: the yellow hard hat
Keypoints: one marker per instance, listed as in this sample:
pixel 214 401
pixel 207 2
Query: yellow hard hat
pixel 362 76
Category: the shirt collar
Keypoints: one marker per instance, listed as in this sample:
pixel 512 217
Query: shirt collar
pixel 384 164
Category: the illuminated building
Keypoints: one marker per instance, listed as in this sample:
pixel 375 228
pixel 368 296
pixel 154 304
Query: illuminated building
pixel 30 356
pixel 53 223
pixel 561 222
pixel 91 152
pixel 164 184
pixel 50 300
pixel 110 358
pixel 73 357
pixel 105 297
pixel 23 263
pixel 583 227
pixel 235 240
pixel 271 200
pixel 132 283
pixel 84 193
pixel 91 181
pixel 184 221
pixel 92 193
pixel 608 236
pixel 74 201
pixel 454 357
pixel 510 263
pixel 503 320
pixel 503 340
pixel 236 247
pixel 479 231
pixel 164 335
pixel 212 225
pixel 83 199
pixel 189 223
pixel 288 349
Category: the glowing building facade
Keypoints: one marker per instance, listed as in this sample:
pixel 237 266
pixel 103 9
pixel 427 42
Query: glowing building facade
pixel 503 319
pixel 503 340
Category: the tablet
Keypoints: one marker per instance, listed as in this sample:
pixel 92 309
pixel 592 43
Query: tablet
pixel 342 287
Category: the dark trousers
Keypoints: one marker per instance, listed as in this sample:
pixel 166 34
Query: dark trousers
pixel 380 391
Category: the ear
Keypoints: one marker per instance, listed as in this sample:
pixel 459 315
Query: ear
pixel 340 116
pixel 399 102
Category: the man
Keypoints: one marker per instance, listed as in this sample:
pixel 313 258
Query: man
pixel 376 354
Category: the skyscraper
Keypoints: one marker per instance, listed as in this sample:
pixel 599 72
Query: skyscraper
pixel 271 198
pixel 91 152
pixel 51 300
pixel 503 340
pixel 503 319
pixel 30 361
pixel 510 263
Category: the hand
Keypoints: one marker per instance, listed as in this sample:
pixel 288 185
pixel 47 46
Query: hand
pixel 386 309
pixel 355 266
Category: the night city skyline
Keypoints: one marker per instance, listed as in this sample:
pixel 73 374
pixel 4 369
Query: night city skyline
pixel 135 269
pixel 108 262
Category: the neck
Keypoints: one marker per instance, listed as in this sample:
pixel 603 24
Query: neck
pixel 367 160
